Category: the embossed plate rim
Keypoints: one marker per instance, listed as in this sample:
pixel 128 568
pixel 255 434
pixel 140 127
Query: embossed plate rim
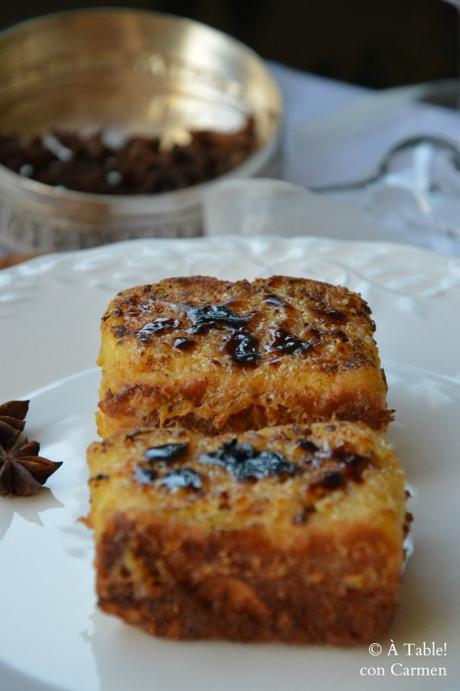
pixel 408 289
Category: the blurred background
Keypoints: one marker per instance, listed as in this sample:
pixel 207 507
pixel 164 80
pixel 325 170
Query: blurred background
pixel 380 43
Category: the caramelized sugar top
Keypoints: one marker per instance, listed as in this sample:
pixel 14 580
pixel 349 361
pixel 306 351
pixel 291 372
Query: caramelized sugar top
pixel 249 323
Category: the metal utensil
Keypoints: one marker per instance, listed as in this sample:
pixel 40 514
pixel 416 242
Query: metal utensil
pixel 135 72
pixel 385 165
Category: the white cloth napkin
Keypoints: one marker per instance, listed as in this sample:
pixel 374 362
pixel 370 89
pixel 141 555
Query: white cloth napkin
pixel 346 141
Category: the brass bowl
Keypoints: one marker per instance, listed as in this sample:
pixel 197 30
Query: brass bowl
pixel 133 72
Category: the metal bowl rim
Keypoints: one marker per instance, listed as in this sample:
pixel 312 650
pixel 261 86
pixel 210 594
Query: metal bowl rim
pixel 19 184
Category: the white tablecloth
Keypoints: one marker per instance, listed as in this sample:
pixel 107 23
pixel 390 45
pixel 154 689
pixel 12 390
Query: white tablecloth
pixel 308 99
pixel 337 132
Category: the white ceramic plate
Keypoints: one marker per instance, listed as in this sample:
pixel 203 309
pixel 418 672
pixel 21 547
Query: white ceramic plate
pixel 51 635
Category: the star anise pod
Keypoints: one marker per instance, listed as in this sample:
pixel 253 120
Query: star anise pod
pixel 12 421
pixel 22 470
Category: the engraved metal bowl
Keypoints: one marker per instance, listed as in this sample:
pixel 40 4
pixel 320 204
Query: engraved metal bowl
pixel 133 72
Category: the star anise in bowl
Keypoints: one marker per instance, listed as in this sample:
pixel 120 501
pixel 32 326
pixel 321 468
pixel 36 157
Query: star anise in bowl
pixel 22 470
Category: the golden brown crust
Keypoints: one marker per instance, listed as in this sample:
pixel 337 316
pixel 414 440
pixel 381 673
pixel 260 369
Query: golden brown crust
pixel 239 587
pixel 286 557
pixel 287 350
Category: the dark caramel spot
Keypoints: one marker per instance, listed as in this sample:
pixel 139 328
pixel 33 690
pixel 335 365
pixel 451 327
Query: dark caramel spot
pixel 330 314
pixel 165 452
pixel 181 479
pixel 159 325
pixel 330 480
pixel 341 335
pixel 99 476
pixel 242 347
pixel 120 331
pixel 308 445
pixel 340 465
pixel 209 316
pixel 285 342
pixel 246 462
pixel 352 464
pixel 183 344
pixel 144 475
